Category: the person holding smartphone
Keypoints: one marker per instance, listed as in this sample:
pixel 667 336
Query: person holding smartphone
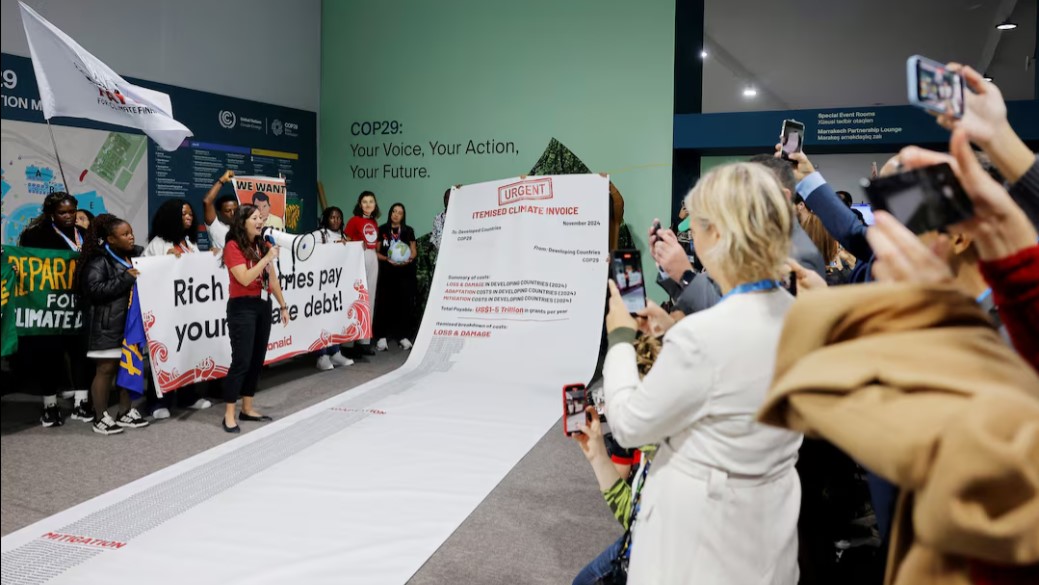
pixel 250 273
pixel 719 479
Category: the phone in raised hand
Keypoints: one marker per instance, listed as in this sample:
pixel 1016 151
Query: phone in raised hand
pixel 932 86
pixel 792 137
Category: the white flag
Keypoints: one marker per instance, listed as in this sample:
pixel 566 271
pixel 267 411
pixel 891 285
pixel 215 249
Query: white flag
pixel 74 83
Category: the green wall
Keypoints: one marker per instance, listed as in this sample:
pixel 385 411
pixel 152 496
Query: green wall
pixel 595 74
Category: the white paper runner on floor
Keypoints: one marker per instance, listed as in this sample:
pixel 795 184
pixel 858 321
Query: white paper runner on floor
pixel 364 487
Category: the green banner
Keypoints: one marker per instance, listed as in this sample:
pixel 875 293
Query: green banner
pixel 8 334
pixel 43 298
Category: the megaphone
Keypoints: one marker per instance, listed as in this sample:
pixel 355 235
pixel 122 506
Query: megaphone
pixel 302 245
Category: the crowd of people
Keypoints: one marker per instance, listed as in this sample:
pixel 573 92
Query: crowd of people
pixel 104 281
pixel 801 353
pixel 753 413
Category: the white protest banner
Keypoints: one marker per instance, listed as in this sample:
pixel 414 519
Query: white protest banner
pixel 267 194
pixel 74 83
pixel 184 309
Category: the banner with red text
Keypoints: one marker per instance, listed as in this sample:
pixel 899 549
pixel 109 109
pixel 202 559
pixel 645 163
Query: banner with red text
pixel 184 308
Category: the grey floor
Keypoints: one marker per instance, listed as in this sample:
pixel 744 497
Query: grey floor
pixel 542 523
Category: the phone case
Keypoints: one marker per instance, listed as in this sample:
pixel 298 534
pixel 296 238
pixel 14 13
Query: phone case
pixel 568 428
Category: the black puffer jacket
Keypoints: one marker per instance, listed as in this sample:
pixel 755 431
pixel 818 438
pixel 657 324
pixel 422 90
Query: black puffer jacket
pixel 104 287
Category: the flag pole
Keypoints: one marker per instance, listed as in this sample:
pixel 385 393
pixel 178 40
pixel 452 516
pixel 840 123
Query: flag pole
pixel 57 156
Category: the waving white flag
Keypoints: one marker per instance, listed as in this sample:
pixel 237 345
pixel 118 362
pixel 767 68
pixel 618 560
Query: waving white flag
pixel 74 83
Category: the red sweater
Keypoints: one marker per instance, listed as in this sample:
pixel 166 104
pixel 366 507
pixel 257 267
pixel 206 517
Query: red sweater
pixel 1015 290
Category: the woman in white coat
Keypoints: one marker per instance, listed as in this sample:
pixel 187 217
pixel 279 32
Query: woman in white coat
pixel 722 498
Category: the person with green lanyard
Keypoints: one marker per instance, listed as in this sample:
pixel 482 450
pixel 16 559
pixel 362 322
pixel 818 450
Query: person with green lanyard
pixel 722 497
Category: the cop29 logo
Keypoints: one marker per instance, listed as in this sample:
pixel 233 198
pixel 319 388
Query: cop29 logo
pixel 228 119
pixel 276 127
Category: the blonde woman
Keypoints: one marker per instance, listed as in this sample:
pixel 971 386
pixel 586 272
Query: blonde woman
pixel 722 498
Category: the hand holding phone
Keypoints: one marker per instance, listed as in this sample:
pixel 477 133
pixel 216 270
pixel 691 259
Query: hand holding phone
pixel 791 137
pixel 626 271
pixel 575 403
pixel 934 87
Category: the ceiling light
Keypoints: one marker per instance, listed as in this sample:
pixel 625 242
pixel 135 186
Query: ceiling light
pixel 1006 25
pixel 749 92
pixel 703 54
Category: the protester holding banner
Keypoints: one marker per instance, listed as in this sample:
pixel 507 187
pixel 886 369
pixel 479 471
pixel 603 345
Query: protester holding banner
pixel 398 281
pixel 219 212
pixel 331 232
pixel 331 229
pixel 720 479
pixel 174 231
pixel 105 278
pixel 42 357
pixel 364 228
pixel 250 272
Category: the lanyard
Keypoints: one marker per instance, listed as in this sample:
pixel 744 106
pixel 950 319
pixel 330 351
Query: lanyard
pixel 983 296
pixel 183 245
pixel 117 258
pixel 395 238
pixel 77 245
pixel 625 550
pixel 749 287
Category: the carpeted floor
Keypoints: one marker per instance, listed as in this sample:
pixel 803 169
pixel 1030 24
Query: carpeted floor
pixel 542 524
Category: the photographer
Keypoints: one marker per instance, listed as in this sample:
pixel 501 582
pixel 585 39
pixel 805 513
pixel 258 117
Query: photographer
pixel 698 291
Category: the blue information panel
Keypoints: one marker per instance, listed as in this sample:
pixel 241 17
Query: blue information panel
pixel 833 130
pixel 118 170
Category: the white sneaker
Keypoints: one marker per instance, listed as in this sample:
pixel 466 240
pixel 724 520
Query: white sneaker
pixel 405 344
pixel 107 426
pixel 201 404
pixel 132 419
pixel 324 363
pixel 339 360
pixel 160 413
pixel 382 345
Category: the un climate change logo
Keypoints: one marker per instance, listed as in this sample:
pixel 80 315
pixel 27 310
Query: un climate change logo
pixel 228 119
pixel 276 127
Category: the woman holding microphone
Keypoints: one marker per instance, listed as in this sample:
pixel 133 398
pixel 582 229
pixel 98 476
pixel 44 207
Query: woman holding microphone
pixel 248 259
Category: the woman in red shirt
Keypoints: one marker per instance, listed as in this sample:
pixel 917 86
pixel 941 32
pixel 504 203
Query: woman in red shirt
pixel 364 228
pixel 248 259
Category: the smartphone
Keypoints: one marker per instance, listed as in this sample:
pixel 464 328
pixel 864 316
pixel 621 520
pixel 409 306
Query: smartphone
pixel 924 199
pixel 626 271
pixel 933 87
pixel 791 285
pixel 575 400
pixel 792 138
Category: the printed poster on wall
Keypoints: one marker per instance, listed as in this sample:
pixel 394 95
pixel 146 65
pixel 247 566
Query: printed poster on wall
pixel 267 194
pixel 184 308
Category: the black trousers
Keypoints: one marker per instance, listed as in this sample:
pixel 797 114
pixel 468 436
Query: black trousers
pixel 249 326
pixel 41 362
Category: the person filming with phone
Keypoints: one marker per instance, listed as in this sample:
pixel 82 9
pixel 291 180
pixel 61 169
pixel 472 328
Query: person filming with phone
pixel 719 478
